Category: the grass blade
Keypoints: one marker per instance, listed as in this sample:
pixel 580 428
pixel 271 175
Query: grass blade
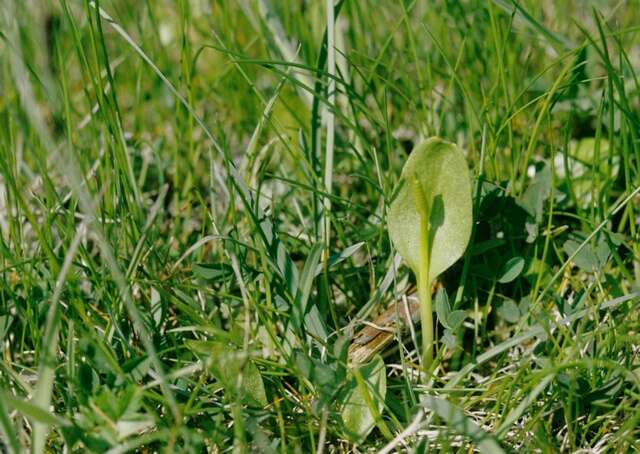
pixel 460 423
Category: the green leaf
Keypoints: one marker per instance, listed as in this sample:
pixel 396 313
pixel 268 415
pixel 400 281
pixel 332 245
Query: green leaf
pixel 592 256
pixel 228 362
pixel 449 338
pixel 534 198
pixel 7 430
pixel 212 271
pixel 442 306
pixel 511 270
pixel 307 276
pixel 509 311
pixel 323 376
pixel 5 323
pixel 33 411
pixel 253 386
pixel 538 191
pixel 362 407
pixel 314 324
pixel 585 258
pixel 156 306
pixel 340 257
pixel 455 319
pixel 301 308
pixel 441 170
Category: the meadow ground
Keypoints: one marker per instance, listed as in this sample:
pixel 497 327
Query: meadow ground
pixel 194 201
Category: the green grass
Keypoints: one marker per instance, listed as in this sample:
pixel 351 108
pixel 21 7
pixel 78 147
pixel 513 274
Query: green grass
pixel 193 228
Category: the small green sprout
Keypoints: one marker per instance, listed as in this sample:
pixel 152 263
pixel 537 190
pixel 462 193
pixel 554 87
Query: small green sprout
pixel 430 220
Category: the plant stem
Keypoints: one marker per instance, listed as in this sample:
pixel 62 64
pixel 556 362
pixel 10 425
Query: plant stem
pixel 424 294
pixel 422 274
